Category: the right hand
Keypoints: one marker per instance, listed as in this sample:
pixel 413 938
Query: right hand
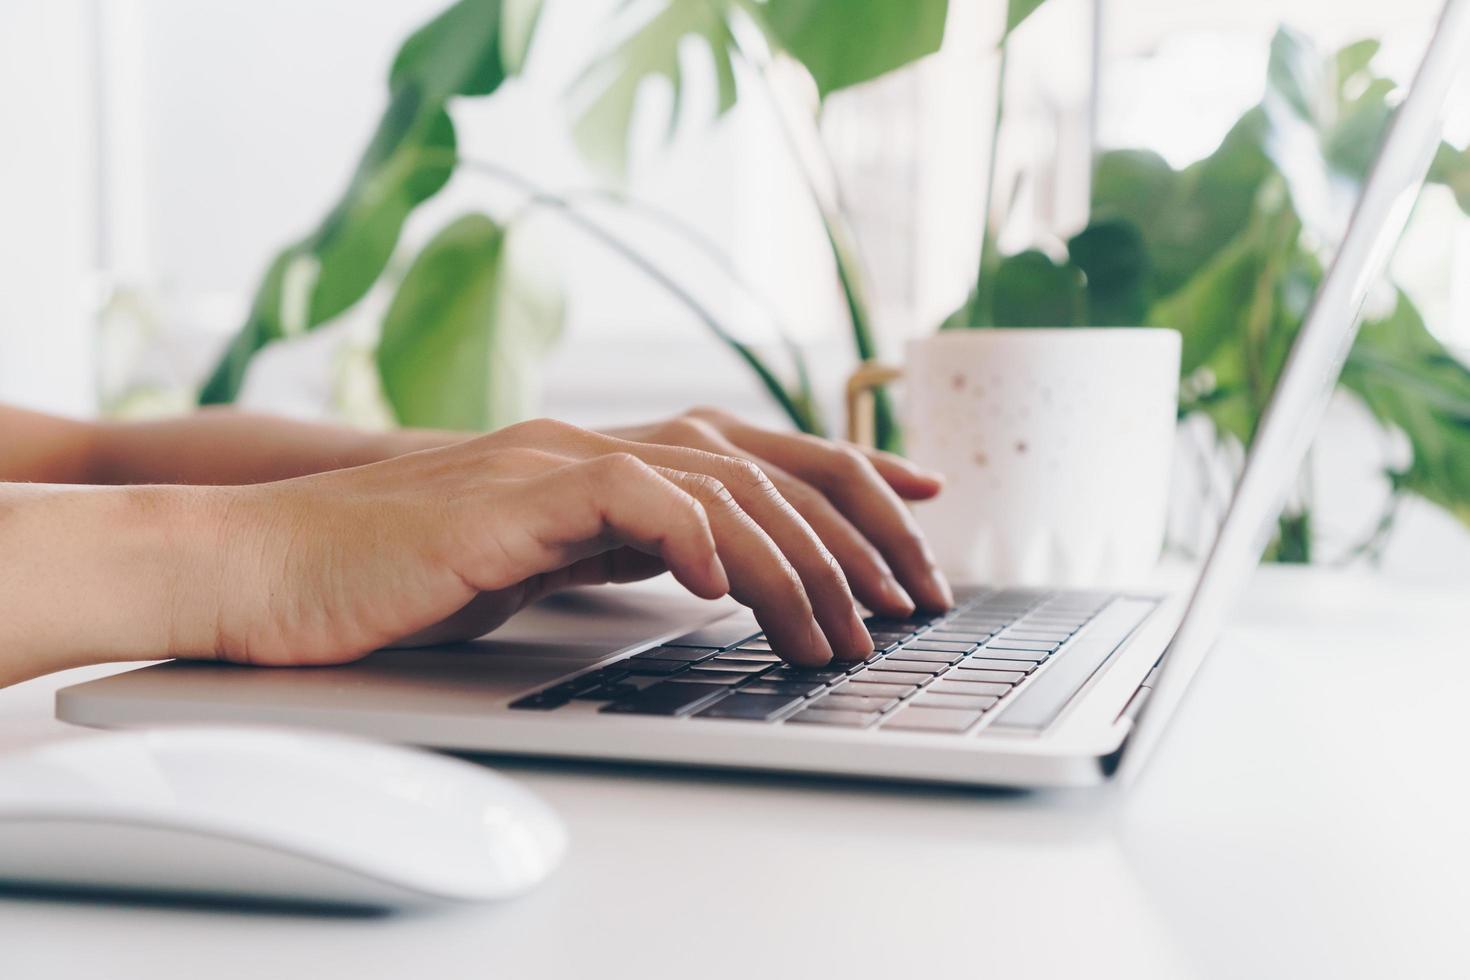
pixel 448 543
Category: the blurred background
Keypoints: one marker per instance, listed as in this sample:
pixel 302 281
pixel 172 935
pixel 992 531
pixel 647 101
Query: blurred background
pixel 159 154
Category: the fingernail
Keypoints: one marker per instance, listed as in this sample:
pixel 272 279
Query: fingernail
pixel 941 585
pixel 862 640
pixel 894 593
pixel 821 649
pixel 717 574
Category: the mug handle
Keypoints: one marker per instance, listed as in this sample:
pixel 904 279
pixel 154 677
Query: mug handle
pixel 860 385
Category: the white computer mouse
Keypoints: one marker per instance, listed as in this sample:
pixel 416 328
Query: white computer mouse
pixel 271 815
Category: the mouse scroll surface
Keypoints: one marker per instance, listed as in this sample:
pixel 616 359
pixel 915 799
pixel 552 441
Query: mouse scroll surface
pixel 273 814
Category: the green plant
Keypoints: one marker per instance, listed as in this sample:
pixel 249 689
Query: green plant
pixel 1229 251
pixel 461 313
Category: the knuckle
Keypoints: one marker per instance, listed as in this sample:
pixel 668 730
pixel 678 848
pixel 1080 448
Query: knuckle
pixel 710 489
pixel 849 461
pixel 746 473
pixel 687 431
pixel 620 466
pixel 708 414
pixel 542 429
pixel 833 570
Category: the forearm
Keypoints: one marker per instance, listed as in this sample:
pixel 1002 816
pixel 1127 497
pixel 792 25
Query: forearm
pixel 100 574
pixel 222 447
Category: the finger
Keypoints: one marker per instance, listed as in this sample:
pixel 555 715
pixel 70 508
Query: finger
pixel 909 480
pixel 586 508
pixel 850 479
pixel 820 573
pixel 870 578
pixel 761 576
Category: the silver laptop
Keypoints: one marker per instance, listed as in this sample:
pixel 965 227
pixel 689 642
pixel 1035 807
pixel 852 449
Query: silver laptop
pixel 1017 687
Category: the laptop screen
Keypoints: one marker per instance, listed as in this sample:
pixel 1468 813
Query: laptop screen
pixel 1315 360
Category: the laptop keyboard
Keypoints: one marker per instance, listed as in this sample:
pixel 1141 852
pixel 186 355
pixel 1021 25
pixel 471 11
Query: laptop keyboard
pixel 1011 657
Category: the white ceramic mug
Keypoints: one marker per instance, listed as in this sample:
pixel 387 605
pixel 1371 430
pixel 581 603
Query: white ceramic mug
pixel 1055 445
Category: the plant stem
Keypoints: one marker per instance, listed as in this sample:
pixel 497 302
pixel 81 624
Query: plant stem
pixel 844 253
pixel 700 242
pixel 800 414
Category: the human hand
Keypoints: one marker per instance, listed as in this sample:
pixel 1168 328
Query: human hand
pixel 447 543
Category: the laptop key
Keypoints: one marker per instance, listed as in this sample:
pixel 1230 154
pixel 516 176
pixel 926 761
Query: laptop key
pixel 667 699
pixel 732 665
pixel 940 646
pixel 789 673
pixel 889 665
pixel 725 678
pixel 1039 636
pixel 923 656
pixel 841 719
pixel 691 655
pixel 969 672
pixel 870 689
pixel 1031 657
pixel 969 637
pixel 794 688
pixel 842 701
pixel 892 676
pixel 1033 646
pixel 744 706
pixel 988 663
pixel 607 692
pixel 751 656
pixel 955 702
pixel 660 667
pixel 955 685
pixel 917 718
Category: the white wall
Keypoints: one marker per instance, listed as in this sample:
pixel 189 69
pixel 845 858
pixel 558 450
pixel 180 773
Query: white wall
pixel 47 204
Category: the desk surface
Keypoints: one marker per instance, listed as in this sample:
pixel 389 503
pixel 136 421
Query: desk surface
pixel 1306 816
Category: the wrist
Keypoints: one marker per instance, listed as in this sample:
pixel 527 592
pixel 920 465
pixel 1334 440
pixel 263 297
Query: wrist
pixel 378 446
pixel 108 575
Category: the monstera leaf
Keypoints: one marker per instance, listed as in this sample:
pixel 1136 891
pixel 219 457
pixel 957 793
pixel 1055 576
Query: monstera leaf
pixel 1017 11
pixel 840 44
pixel 1412 384
pixel 469 49
pixel 464 332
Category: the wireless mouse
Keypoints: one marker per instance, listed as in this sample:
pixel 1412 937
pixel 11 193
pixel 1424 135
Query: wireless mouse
pixel 269 815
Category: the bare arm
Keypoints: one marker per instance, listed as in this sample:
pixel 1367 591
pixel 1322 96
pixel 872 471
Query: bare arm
pixel 218 447
pixel 224 447
pixel 312 569
pixel 98 574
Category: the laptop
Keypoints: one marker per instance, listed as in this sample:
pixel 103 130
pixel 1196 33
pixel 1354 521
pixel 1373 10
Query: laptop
pixel 1013 687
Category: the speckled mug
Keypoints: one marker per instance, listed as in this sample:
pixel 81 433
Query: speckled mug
pixel 1056 447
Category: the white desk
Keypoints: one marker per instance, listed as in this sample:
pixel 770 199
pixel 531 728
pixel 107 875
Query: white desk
pixel 1308 816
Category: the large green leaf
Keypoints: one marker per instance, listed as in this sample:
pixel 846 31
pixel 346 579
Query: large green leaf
pixel 840 44
pixel 1187 217
pixel 1017 11
pixel 464 331
pixel 1411 383
pixel 1031 290
pixel 854 41
pixel 1452 168
pixel 606 94
pixel 1114 257
pixel 466 50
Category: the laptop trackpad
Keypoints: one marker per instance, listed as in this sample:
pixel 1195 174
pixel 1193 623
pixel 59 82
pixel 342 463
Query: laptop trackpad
pixel 555 637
